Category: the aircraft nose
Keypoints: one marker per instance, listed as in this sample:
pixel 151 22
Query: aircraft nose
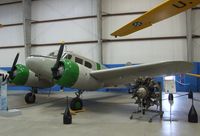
pixel 41 65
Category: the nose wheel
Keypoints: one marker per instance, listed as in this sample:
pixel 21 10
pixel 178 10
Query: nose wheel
pixel 30 98
pixel 77 103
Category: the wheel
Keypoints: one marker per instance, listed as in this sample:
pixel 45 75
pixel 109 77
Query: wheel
pixel 76 104
pixel 30 98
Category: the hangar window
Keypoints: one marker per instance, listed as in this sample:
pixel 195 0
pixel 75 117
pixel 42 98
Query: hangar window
pixel 88 64
pixel 78 60
pixel 68 56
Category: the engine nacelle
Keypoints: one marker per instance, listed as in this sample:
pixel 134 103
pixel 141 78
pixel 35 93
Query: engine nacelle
pixel 74 75
pixel 25 77
pixel 21 74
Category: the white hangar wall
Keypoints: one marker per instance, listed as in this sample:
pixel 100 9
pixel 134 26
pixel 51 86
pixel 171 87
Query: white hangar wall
pixel 11 36
pixel 73 30
pixel 145 51
pixel 142 51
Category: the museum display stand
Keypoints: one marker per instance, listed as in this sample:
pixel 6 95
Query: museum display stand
pixel 4 111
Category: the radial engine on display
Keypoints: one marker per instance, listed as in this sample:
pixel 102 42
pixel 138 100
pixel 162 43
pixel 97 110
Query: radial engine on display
pixel 146 93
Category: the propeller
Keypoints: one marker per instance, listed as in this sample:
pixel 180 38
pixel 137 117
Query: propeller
pixel 11 72
pixel 54 69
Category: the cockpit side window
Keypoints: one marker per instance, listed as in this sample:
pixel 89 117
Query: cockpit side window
pixel 68 56
pixel 88 64
pixel 78 60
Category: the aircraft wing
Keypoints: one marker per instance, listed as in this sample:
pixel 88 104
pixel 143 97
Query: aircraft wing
pixel 163 11
pixel 194 75
pixel 127 74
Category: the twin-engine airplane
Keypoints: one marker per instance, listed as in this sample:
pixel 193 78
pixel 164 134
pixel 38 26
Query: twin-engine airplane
pixel 73 71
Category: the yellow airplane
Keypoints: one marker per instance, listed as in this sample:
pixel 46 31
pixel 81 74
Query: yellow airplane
pixel 163 11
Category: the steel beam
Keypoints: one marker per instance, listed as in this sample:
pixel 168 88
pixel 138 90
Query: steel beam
pixel 27 26
pixel 104 41
pixel 189 35
pixel 99 30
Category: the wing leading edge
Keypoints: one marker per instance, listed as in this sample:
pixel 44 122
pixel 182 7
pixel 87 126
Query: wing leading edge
pixel 127 74
pixel 163 11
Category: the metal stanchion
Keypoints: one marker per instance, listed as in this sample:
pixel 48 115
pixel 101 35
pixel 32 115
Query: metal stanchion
pixel 67 117
pixel 192 115
pixel 171 101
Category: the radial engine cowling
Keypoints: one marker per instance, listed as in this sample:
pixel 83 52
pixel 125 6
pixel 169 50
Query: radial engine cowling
pixel 74 75
pixel 20 75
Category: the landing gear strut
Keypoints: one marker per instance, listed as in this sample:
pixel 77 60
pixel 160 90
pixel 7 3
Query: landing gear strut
pixel 77 103
pixel 30 97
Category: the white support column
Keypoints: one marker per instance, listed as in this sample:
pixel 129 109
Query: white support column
pixel 189 35
pixel 27 26
pixel 99 30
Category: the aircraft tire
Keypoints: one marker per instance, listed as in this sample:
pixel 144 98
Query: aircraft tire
pixel 76 104
pixel 30 98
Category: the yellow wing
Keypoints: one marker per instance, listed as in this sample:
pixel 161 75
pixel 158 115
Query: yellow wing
pixel 195 75
pixel 165 10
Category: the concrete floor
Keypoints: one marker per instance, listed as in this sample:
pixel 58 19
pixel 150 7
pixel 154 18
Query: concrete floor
pixel 106 114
